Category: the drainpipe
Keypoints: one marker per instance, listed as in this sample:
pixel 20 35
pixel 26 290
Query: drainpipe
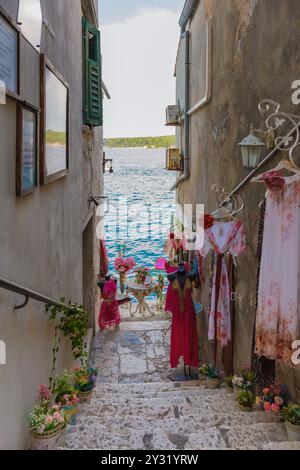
pixel 186 160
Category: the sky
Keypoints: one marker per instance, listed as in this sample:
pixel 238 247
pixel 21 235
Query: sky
pixel 139 45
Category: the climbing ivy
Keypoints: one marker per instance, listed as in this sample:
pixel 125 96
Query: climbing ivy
pixel 72 321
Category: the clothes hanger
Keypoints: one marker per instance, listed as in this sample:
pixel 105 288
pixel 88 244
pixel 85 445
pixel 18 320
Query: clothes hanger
pixel 223 214
pixel 282 165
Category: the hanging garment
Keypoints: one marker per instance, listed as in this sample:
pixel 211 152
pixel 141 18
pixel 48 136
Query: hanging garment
pixel 170 269
pixel 184 337
pixel 224 238
pixel 278 310
pixel 109 317
pixel 103 260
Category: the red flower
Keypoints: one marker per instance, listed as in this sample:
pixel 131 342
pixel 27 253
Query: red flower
pixel 208 221
pixel 172 236
pixel 274 181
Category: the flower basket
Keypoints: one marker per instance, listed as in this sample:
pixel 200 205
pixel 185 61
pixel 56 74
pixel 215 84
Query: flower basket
pixel 85 397
pixel 212 383
pixel 71 413
pixel 202 378
pixel 47 441
pixel 293 431
pixel 245 408
pixel 236 390
pixel 275 417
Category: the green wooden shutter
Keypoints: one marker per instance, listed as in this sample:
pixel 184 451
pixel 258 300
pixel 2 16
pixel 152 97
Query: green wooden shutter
pixel 93 100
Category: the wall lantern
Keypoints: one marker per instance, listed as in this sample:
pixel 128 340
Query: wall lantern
pixel 251 148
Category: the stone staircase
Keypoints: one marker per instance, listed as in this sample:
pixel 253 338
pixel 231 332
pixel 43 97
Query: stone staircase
pixel 163 415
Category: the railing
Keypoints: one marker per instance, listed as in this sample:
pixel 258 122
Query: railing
pixel 29 294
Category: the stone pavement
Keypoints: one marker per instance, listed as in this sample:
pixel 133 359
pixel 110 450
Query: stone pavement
pixel 134 406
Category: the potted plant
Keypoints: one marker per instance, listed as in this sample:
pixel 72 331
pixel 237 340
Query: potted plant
pixel 123 266
pixel 212 378
pixel 85 380
pixel 228 383
pixel 274 400
pixel 203 371
pixel 246 400
pixel 46 422
pixel 292 414
pixel 141 275
pixel 67 396
pixel 237 385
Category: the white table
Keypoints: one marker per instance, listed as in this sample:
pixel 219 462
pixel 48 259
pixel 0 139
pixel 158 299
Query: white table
pixel 140 292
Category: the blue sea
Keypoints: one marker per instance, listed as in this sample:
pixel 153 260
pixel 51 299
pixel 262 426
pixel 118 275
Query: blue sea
pixel 140 204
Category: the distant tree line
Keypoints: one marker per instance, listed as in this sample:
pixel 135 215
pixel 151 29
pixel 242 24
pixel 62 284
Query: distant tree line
pixel 151 142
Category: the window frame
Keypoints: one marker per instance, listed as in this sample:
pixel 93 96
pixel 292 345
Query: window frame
pixel 14 94
pixel 20 192
pixel 45 179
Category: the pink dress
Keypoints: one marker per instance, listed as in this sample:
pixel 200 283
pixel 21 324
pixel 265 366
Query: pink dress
pixel 223 238
pixel 278 311
pixel 184 336
pixel 109 317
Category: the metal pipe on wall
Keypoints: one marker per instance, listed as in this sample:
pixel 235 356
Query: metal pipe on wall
pixel 186 159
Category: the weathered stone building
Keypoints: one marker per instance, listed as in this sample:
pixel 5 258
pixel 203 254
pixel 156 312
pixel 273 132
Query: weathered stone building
pixel 232 55
pixel 50 165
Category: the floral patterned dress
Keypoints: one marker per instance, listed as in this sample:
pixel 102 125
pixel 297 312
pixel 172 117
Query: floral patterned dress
pixel 278 311
pixel 223 238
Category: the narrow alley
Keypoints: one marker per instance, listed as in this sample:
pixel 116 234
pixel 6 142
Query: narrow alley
pixel 136 407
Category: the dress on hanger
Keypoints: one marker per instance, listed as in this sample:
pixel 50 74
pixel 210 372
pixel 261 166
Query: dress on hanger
pixel 223 238
pixel 278 310
pixel 170 269
pixel 109 317
pixel 184 337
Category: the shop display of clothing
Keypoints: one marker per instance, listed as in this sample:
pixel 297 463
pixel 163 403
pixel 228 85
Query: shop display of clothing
pixel 109 316
pixel 224 238
pixel 170 269
pixel 184 337
pixel 104 263
pixel 278 309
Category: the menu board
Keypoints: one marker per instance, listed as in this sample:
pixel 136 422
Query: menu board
pixel 8 55
pixel 29 150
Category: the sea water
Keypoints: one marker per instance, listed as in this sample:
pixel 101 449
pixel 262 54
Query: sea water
pixel 140 204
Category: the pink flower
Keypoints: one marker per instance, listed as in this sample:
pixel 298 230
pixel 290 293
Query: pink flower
pixel 278 400
pixel 44 393
pixel 275 408
pixel 274 181
pixel 266 391
pixel 56 407
pixel 49 419
pixel 41 430
pixel 267 406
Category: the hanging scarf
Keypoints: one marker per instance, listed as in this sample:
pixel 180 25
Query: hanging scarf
pixel 103 259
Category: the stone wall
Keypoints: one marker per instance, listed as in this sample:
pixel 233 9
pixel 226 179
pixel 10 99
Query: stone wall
pixel 41 235
pixel 255 55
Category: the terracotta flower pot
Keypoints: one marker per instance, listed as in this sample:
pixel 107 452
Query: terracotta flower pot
pixel 293 431
pixel 47 441
pixel 212 383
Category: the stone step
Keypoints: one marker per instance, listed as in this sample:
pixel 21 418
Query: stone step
pixel 184 424
pixel 149 388
pixel 97 436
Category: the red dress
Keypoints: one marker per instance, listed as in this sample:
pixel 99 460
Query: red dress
pixel 184 336
pixel 109 317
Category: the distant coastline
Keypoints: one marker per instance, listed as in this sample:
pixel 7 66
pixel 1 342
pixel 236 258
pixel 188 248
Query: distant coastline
pixel 141 142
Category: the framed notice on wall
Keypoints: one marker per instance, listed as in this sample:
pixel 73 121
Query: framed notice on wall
pixel 27 150
pixel 54 129
pixel 9 55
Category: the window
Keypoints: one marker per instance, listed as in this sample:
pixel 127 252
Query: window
pixel 30 19
pixel 9 55
pixel 92 76
pixel 54 124
pixel 27 150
